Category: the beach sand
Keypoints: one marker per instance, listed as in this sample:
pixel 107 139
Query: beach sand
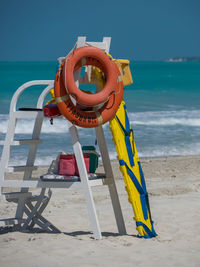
pixel 174 190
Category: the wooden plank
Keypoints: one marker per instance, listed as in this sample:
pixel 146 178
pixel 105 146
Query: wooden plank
pixel 109 174
pixel 6 148
pixel 15 195
pixel 27 114
pixel 21 142
pixel 35 183
pixel 85 182
pixel 26 142
pixel 11 169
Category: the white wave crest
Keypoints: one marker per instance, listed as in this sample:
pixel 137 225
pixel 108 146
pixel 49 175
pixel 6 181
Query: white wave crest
pixel 59 126
pixel 25 126
pixel 155 152
pixel 40 161
pixel 169 122
pixel 166 118
pixel 164 151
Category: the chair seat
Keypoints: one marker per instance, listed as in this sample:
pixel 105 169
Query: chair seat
pixel 15 196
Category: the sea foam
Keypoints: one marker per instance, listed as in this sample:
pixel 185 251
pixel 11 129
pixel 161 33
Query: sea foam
pixel 166 118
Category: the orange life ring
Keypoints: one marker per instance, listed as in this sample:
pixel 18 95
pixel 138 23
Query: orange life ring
pixel 78 116
pixel 88 55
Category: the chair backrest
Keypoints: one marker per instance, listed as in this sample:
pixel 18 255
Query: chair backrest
pixel 14 115
pixel 104 45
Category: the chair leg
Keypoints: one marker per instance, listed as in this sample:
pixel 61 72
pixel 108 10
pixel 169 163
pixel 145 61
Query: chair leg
pixel 40 220
pixel 35 208
pixel 45 224
pixel 34 214
pixel 42 207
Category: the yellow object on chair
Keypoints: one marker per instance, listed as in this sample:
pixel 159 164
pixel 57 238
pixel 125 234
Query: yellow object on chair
pixel 52 101
pixel 124 68
pixel 132 171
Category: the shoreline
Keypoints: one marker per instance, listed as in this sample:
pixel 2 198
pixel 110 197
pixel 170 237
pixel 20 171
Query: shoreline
pixel 151 165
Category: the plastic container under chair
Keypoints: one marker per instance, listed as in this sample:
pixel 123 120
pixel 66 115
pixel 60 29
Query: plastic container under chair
pixel 94 157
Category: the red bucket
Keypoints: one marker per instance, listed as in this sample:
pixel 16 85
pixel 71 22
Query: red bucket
pixel 67 165
pixel 87 164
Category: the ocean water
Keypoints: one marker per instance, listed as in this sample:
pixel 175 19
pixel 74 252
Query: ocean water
pixel 163 105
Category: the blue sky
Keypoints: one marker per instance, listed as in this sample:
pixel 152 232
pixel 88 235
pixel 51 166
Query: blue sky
pixel 141 30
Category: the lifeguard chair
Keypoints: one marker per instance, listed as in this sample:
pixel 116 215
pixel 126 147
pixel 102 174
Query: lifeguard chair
pixel 30 207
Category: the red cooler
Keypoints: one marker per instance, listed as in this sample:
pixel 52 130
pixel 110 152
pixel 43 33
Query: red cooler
pixel 67 165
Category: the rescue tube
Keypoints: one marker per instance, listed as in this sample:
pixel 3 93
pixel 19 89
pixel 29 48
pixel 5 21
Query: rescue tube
pixel 132 171
pixel 77 115
pixel 88 55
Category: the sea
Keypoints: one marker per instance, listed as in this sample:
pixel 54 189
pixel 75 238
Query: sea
pixel 163 106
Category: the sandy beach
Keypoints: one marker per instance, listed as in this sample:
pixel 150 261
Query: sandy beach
pixel 174 189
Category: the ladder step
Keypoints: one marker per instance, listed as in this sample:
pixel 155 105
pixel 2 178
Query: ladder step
pixel 26 142
pixel 28 114
pixel 23 142
pixel 20 168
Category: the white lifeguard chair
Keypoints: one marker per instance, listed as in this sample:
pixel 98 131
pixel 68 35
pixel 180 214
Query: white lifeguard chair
pixel 30 207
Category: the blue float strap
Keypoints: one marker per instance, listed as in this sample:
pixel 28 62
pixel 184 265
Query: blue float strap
pixel 143 197
pixel 127 132
pixel 150 233
pixel 142 190
pixel 144 187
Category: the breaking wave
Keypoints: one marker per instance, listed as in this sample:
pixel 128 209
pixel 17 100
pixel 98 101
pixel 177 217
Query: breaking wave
pixel 166 118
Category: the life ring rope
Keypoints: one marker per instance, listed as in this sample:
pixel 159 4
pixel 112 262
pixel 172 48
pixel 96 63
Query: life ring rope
pixel 61 98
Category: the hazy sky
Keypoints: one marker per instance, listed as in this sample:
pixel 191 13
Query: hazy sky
pixel 140 29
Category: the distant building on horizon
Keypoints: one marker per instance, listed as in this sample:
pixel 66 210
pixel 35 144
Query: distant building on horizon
pixel 183 59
